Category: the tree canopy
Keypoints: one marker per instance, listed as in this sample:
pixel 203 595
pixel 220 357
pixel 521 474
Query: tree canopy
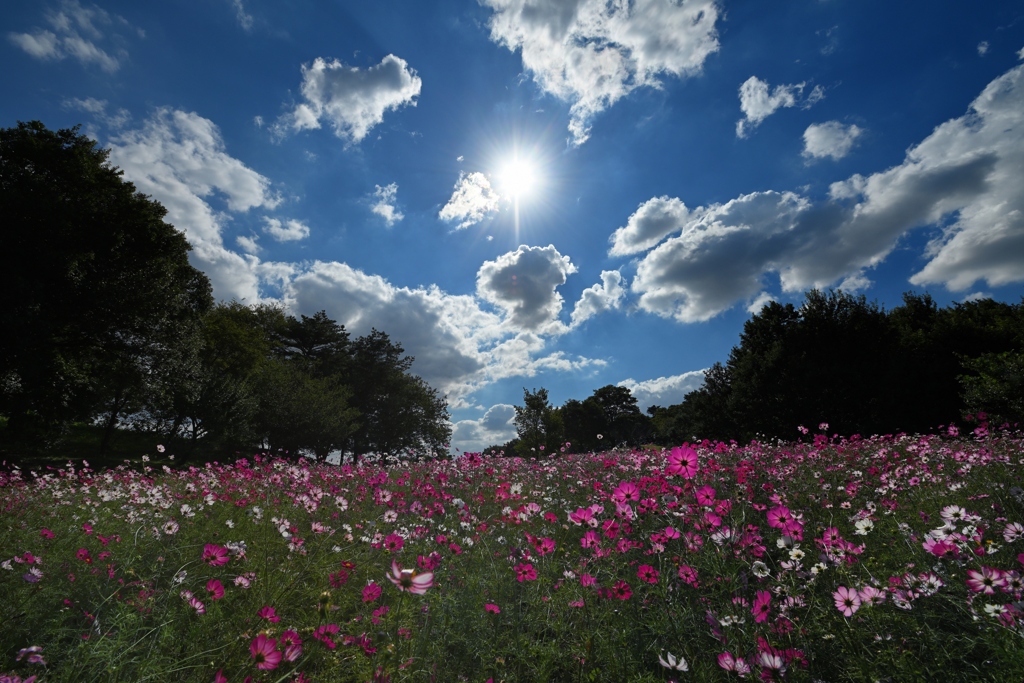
pixel 106 322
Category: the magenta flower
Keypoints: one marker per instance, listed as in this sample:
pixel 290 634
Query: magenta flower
pixel 621 590
pixel 779 517
pixel 292 645
pixel 46 533
pixel 410 580
pixel 394 542
pixel 371 592
pixel 847 600
pixel 869 595
pixel 590 539
pixel 627 490
pixel 492 608
pixel 586 580
pixel 762 600
pixel 705 495
pixel 647 573
pixel 216 589
pixel 682 461
pixel 267 612
pixel 688 575
pixel 198 606
pixel 215 555
pixel 525 572
pixel 264 651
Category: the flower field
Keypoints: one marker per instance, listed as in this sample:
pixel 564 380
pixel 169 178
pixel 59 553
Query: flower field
pixel 893 558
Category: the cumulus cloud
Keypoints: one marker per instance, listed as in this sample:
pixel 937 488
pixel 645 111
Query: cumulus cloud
pixel 523 284
pixel 248 244
pixel 592 53
pixel 180 160
pixel 830 139
pixel 649 224
pixel 473 201
pixel 77 32
pixel 385 204
pixel 664 391
pixel 965 176
pixel 289 230
pixel 606 295
pixel 758 102
pixel 496 427
pixel 351 99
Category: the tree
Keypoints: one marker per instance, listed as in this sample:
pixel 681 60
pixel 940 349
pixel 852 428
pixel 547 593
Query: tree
pixel 399 412
pixel 101 301
pixel 538 425
pixel 995 386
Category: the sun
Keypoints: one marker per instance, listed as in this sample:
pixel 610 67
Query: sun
pixel 518 178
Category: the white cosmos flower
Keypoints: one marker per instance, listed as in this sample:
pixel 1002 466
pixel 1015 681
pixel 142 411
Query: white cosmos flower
pixel 673 663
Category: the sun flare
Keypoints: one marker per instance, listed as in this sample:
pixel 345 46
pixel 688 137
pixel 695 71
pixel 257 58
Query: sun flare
pixel 518 178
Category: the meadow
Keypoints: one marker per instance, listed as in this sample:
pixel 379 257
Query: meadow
pixel 890 558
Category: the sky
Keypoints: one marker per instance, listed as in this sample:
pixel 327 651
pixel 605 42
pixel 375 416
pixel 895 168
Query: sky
pixel 553 193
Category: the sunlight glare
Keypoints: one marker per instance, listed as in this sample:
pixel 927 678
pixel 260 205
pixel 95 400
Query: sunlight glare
pixel 517 178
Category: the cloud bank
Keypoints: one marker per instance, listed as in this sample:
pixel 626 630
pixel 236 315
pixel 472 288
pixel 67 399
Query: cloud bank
pixel 964 177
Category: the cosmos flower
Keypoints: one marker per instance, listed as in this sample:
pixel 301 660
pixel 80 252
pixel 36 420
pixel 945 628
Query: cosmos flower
pixel 410 580
pixel 264 651
pixel 847 600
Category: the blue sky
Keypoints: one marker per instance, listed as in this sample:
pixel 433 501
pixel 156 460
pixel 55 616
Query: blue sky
pixel 556 193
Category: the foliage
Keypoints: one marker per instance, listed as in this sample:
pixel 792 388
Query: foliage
pixel 892 558
pixel 102 305
pixel 996 386
pixel 839 359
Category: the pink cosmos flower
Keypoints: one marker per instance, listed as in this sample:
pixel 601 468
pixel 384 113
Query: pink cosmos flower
pixel 627 490
pixel 263 650
pixel 292 645
pixel 621 590
pixel 216 589
pixel 647 573
pixel 220 677
pixel 394 542
pixel 371 592
pixel 762 601
pixel 869 595
pixel 410 580
pixel 525 572
pixel 727 661
pixel 267 612
pixel 688 575
pixel 492 608
pixel 581 516
pixel 779 516
pixel 847 600
pixel 705 495
pixel 215 555
pixel 586 580
pixel 986 581
pixel 682 461
pixel 46 533
pixel 198 606
pixel 590 539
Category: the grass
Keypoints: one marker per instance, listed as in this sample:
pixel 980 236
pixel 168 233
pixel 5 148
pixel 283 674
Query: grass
pixel 720 560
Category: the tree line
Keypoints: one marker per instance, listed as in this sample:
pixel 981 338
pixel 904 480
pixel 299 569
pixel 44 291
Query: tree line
pixel 835 359
pixel 105 322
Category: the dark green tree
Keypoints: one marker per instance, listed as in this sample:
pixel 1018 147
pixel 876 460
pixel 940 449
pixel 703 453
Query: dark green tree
pixel 399 412
pixel 101 299
pixel 538 425
pixel 994 384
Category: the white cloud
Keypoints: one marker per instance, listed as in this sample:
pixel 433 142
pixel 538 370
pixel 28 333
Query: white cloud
pixel 758 103
pixel 248 244
pixel 385 205
pixel 245 19
pixel 179 159
pixel 964 176
pixel 759 302
pixel 98 108
pixel 606 295
pixel 855 283
pixel 352 100
pixel 592 53
pixel 523 284
pixel 496 427
pixel 664 391
pixel 649 224
pixel 983 48
pixel 830 139
pixel 290 230
pixel 473 201
pixel 70 23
